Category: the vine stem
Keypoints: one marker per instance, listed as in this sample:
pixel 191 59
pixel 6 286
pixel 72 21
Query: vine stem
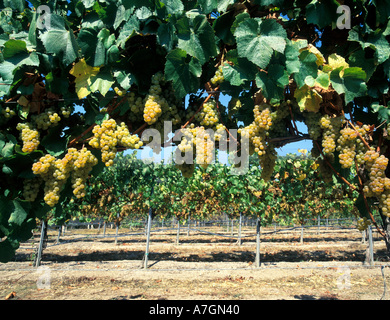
pixel 359 135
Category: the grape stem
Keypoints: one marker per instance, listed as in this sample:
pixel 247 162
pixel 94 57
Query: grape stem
pixel 81 135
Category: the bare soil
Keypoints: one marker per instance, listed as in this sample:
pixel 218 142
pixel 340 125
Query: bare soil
pixel 329 265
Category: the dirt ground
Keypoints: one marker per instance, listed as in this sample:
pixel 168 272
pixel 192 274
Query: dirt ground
pixel 327 266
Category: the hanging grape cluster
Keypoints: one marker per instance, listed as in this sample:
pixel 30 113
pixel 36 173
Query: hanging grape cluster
pixel 29 136
pixel 218 77
pixel 109 135
pixel 55 173
pixel 258 132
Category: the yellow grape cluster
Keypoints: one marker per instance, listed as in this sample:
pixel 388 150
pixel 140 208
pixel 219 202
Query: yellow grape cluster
pixel 208 116
pixel 198 140
pixel 48 118
pixel 378 184
pixel 108 135
pixel 8 113
pixel 29 136
pixel 218 76
pixel 257 130
pixel 105 139
pixel 263 116
pixel 350 146
pixel 154 101
pixel 220 132
pixel 31 189
pixel 204 147
pixel 331 128
pixel 257 133
pixel 55 173
pixel 347 147
pixel 66 112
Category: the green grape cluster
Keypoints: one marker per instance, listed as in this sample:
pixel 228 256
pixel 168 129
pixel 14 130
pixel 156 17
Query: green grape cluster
pixel 312 121
pixel 136 104
pixel 29 136
pixel 66 112
pixel 208 116
pixel 363 223
pixel 48 118
pixel 55 173
pixel 331 130
pixel 267 162
pixel 31 189
pixel 8 113
pixel 218 77
pixel 109 135
pixel 278 128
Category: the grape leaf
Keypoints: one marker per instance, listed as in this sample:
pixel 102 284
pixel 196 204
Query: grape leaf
pixel 182 72
pixel 308 99
pixel 60 41
pixel 90 79
pixel 257 40
pixel 351 82
pixel 196 37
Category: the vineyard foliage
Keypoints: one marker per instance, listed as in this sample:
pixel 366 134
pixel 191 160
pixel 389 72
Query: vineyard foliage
pixel 81 80
pixel 295 193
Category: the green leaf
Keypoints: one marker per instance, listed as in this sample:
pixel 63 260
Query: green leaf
pixel 240 71
pixel 92 47
pixel 273 82
pixel 54 143
pixel 60 41
pixel 351 82
pixel 130 28
pixel 196 37
pixel 19 212
pixel 307 68
pixel 258 39
pixel 382 111
pixel 322 13
pixel 7 250
pixel 13 47
pixel 183 72
pixel 173 6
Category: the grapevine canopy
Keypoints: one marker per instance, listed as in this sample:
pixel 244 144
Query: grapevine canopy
pixel 132 66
